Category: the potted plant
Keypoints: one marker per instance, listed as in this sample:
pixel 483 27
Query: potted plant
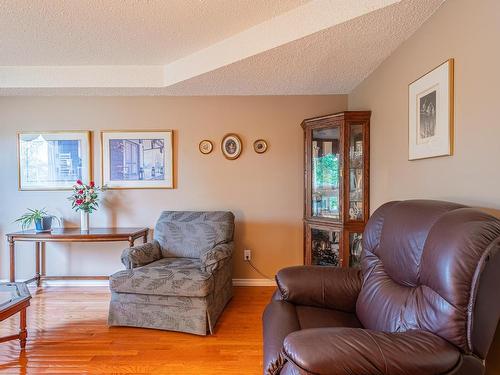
pixel 41 219
pixel 84 198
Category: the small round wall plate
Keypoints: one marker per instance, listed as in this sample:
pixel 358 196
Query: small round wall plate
pixel 260 146
pixel 231 146
pixel 206 146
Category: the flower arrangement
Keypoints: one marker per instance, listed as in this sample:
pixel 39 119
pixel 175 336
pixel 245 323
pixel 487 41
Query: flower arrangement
pixel 85 197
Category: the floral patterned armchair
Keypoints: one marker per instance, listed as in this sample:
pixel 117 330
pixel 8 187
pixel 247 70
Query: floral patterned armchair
pixel 182 280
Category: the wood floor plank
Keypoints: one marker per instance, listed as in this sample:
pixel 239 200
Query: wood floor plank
pixel 68 334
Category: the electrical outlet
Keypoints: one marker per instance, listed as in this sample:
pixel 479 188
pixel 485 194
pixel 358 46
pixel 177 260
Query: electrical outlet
pixel 247 255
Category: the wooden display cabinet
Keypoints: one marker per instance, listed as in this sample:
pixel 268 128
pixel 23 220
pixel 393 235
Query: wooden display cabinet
pixel 336 194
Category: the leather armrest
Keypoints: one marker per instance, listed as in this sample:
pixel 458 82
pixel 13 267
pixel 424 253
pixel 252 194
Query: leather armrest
pixel 211 259
pixel 141 255
pixel 330 287
pixel 359 351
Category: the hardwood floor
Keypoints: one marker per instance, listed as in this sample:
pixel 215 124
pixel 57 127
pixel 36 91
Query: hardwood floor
pixel 68 334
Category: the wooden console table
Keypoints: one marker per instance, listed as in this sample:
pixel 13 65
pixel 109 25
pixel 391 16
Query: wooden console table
pixel 68 235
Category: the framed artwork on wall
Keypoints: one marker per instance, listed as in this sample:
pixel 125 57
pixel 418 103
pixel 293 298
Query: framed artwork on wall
pixel 137 159
pixel 53 160
pixel 430 109
pixel 206 147
pixel 260 146
pixel 231 146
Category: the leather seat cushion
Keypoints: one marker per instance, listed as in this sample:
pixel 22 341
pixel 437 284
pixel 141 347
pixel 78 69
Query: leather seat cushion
pixel 282 318
pixel 317 317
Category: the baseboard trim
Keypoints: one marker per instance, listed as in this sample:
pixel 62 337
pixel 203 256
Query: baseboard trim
pixel 236 282
pixel 253 282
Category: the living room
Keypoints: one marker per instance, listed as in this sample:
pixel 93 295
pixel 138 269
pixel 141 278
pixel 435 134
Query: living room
pixel 195 187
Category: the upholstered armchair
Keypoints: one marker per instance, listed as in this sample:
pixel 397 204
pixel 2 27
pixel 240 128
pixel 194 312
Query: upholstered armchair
pixel 182 280
pixel 425 300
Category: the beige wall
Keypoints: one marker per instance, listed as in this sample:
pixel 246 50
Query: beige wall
pixel 264 191
pixel 469 31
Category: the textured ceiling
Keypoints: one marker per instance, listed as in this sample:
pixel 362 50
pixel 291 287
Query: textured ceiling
pixel 332 61
pixel 122 32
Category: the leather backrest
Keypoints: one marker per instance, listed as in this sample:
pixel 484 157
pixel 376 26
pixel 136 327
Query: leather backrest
pixel 188 234
pixel 424 264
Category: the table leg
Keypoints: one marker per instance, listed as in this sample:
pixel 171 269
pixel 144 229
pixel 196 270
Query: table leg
pixel 37 263
pixel 23 334
pixel 12 261
pixel 42 265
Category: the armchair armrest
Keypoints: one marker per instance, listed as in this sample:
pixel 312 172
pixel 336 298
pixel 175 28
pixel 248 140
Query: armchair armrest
pixel 141 255
pixel 330 287
pixel 211 259
pixel 358 351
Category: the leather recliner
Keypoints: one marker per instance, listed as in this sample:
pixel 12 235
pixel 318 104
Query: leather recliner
pixel 425 301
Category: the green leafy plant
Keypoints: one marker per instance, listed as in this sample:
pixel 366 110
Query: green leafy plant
pixel 32 216
pixel 326 169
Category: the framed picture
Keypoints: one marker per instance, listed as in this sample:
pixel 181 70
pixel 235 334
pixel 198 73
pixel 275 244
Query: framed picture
pixel 137 159
pixel 53 160
pixel 260 146
pixel 430 108
pixel 206 147
pixel 231 146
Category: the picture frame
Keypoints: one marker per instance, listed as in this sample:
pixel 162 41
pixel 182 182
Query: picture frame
pixel 430 113
pixel 53 160
pixel 137 159
pixel 205 147
pixel 231 146
pixel 260 146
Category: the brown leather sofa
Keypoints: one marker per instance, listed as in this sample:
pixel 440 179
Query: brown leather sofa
pixel 426 300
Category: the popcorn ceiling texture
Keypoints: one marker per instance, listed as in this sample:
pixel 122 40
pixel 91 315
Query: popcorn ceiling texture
pixel 333 61
pixel 122 32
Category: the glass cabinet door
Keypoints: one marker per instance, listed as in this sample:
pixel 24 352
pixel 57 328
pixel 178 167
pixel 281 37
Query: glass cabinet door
pixel 355 248
pixel 356 173
pixel 325 247
pixel 325 173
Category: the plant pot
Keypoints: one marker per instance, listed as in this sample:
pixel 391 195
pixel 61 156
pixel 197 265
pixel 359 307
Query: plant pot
pixel 44 224
pixel 84 221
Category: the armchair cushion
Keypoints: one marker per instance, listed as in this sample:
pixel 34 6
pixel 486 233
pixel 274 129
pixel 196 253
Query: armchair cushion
pixel 211 259
pixel 330 287
pixel 165 277
pixel 189 234
pixel 359 351
pixel 282 318
pixel 141 255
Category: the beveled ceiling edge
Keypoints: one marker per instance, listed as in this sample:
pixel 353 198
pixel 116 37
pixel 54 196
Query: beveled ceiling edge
pixel 295 24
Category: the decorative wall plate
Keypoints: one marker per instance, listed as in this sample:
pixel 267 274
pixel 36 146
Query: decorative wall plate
pixel 260 146
pixel 231 146
pixel 206 146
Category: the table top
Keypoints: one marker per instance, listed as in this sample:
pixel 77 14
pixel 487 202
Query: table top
pixel 12 293
pixel 76 233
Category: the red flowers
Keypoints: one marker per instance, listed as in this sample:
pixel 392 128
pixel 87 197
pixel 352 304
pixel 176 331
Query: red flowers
pixel 85 197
